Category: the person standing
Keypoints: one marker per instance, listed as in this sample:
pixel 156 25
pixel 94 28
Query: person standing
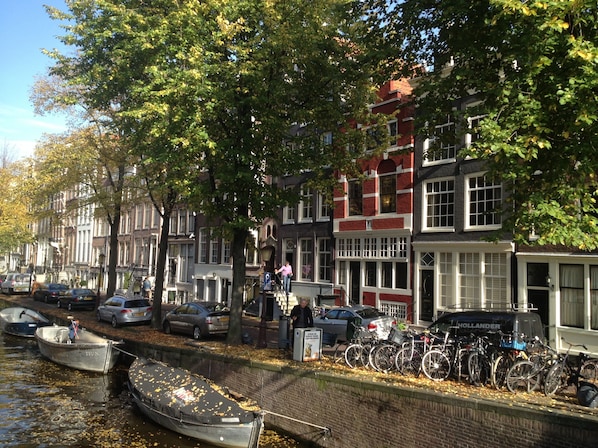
pixel 301 315
pixel 147 287
pixel 286 272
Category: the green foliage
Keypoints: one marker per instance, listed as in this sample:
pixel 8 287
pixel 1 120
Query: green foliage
pixel 218 98
pixel 534 66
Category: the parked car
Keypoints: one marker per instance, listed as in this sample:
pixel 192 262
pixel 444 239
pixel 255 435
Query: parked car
pixel 16 282
pixel 336 320
pixel 77 298
pixel 49 292
pixel 120 310
pixel 197 319
pixel 2 277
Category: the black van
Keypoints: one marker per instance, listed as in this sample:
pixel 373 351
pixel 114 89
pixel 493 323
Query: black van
pixel 526 325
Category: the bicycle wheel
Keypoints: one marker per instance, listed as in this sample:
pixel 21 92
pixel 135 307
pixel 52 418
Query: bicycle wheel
pixel 383 357
pixel 500 368
pixel 478 367
pixel 353 355
pixel 408 361
pixel 555 379
pixel 523 376
pixel 436 365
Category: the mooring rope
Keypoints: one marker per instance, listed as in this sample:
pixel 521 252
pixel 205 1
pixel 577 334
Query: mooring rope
pixel 124 351
pixel 327 431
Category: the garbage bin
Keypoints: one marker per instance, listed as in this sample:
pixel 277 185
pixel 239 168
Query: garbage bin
pixel 283 332
pixel 307 344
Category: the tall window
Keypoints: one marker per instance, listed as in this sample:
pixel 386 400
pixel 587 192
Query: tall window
pixel 469 280
pixel 288 213
pixel 571 287
pixel 355 194
pixel 323 208
pixel 474 130
pixel 139 217
pixel 441 147
pixel 484 199
pixel 439 204
pixel 214 254
pixel 386 274
pixel 306 259
pixel 305 205
pixel 148 216
pixel 370 273
pixel 324 260
pixel 203 246
pixel 226 252
pixel 495 276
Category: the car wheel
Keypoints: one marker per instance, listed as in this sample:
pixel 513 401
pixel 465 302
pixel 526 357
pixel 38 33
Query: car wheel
pixel 196 333
pixel 166 327
pixel 70 307
pixel 114 322
pixel 98 317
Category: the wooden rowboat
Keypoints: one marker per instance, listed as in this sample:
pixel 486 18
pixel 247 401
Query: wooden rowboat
pixel 87 352
pixel 190 405
pixel 20 321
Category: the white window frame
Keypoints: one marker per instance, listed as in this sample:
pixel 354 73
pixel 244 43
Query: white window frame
pixel 306 250
pixel 485 189
pixel 426 202
pixel 306 204
pixel 321 262
pixel 324 209
pixel 447 153
pixel 203 245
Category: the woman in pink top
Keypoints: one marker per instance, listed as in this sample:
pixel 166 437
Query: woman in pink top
pixel 286 272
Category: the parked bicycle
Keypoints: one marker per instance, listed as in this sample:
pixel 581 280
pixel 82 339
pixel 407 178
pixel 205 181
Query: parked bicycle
pixel 564 372
pixel 528 375
pixel 439 363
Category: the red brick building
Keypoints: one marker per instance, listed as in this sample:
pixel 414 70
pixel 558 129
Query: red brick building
pixel 372 222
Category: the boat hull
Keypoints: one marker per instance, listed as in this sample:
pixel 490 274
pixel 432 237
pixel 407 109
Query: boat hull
pixel 19 321
pixel 233 428
pixel 89 352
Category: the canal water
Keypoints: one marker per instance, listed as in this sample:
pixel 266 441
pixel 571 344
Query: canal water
pixel 46 405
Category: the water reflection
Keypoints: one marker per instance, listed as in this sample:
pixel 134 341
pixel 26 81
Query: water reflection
pixel 46 405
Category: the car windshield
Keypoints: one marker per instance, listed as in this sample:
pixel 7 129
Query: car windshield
pixel 138 303
pixel 368 313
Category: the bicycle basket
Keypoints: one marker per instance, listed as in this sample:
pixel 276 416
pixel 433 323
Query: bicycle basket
pixel 513 343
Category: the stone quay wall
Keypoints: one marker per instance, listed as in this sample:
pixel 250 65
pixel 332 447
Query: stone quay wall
pixel 375 415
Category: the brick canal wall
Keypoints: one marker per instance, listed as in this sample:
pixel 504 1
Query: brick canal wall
pixel 374 415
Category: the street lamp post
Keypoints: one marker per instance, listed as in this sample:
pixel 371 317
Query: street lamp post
pixel 101 260
pixel 266 253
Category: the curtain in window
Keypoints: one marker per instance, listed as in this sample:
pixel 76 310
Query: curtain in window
pixel 571 288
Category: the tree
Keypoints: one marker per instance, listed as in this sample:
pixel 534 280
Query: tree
pixel 14 206
pixel 534 68
pixel 207 95
pixel 91 157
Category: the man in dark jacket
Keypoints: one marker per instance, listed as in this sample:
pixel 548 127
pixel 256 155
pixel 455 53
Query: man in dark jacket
pixel 301 315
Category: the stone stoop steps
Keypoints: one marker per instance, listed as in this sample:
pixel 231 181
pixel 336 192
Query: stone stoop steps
pixel 281 299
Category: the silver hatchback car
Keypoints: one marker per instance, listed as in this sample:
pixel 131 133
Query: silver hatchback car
pixel 120 310
pixel 197 319
pixel 336 321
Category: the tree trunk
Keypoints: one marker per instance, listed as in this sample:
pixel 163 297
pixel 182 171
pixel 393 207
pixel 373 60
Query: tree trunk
pixel 235 329
pixel 161 269
pixel 113 255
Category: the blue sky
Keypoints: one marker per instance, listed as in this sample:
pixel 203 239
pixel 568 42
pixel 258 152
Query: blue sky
pixel 25 29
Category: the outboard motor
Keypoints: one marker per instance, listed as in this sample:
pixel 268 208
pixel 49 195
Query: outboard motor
pixel 587 394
